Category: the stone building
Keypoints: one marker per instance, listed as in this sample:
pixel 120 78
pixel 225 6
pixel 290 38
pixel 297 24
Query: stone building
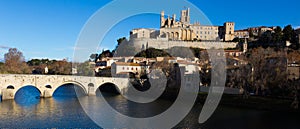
pixel 241 34
pixel 174 32
pixel 183 30
pixel 257 31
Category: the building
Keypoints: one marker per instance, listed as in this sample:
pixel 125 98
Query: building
pixel 143 33
pixel 119 68
pixel 183 30
pixel 234 53
pixel 257 31
pixel 104 63
pixel 227 31
pixel 241 34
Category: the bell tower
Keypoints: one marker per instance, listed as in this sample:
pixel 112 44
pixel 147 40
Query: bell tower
pixel 185 16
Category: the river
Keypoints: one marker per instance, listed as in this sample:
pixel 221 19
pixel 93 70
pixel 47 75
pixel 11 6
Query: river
pixel 63 110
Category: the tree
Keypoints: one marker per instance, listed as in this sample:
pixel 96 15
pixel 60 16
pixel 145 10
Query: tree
pixel 268 69
pixel 93 57
pixel 265 39
pixel 15 62
pixel 152 53
pixel 288 33
pixel 106 53
pixel 60 67
pixel 277 35
pixel 85 69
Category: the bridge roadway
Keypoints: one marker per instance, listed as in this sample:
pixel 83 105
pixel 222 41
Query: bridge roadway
pixel 47 84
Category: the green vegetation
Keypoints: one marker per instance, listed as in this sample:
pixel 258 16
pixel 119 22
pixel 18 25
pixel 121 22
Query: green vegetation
pixel 152 53
pixel 277 38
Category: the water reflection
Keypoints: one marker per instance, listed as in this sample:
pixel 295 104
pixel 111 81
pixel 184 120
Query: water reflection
pixel 27 96
pixel 61 111
pixel 69 91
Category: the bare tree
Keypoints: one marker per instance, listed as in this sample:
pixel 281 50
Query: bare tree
pixel 15 62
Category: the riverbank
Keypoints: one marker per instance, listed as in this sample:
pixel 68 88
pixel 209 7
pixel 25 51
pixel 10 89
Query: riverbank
pixel 238 101
pixel 253 102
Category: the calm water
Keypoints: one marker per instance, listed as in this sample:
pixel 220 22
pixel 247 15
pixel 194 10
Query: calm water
pixel 65 111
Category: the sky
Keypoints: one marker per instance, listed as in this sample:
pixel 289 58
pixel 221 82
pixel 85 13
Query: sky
pixel 50 28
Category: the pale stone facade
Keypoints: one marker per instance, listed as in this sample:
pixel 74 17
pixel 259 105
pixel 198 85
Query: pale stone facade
pixel 142 44
pixel 182 33
pixel 144 33
pixel 184 30
pixel 257 31
pixel 241 34
pixel 124 67
pixel 227 31
pixel 173 29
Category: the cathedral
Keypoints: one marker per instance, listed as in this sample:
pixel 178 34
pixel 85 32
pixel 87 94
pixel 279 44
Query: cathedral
pixel 183 30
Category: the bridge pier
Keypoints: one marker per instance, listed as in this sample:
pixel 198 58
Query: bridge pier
pixel 48 93
pixel 91 91
pixel 8 94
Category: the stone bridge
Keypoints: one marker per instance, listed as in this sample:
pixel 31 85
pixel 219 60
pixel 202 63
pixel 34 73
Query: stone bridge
pixel 47 84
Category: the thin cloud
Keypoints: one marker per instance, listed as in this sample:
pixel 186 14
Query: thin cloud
pixel 69 48
pixel 78 48
pixel 4 47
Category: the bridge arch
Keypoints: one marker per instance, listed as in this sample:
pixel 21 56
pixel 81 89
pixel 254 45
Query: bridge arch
pixel 71 82
pixel 109 87
pixel 21 87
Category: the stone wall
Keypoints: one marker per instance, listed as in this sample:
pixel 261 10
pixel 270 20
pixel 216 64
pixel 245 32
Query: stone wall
pixel 143 43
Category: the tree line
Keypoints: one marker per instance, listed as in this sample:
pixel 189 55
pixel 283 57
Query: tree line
pixel 277 38
pixel 14 63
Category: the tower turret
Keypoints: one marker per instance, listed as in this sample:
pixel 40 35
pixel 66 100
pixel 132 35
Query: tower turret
pixel 162 19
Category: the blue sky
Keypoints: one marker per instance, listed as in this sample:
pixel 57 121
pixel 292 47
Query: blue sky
pixel 50 28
